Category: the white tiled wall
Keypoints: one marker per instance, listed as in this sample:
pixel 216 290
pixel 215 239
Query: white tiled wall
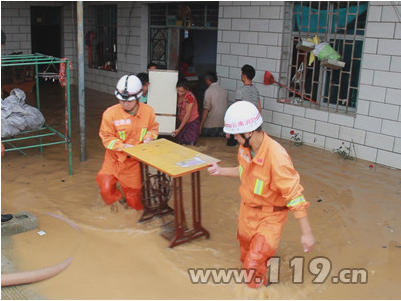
pixel 15 22
pixel 380 141
pixel 370 92
pixel 327 129
pixel 375 130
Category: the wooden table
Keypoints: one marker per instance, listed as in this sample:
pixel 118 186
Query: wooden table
pixel 175 160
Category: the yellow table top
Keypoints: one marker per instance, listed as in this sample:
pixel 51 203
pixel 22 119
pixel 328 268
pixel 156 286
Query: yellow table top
pixel 170 158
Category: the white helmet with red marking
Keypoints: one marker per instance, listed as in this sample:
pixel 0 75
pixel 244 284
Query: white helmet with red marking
pixel 242 117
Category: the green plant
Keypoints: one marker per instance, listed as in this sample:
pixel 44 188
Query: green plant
pixel 295 138
pixel 344 152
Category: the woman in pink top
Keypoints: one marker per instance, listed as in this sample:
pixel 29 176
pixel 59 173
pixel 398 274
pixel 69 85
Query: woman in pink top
pixel 188 115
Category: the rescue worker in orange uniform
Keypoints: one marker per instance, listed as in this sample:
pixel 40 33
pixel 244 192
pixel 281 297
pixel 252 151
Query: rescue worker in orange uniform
pixel 125 124
pixel 270 187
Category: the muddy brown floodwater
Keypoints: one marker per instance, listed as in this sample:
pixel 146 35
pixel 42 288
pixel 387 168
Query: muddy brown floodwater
pixel 354 215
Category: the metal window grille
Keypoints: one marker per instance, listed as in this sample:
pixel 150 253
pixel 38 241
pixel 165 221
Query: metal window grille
pixel 103 23
pixel 188 14
pixel 158 46
pixel 170 22
pixel 321 84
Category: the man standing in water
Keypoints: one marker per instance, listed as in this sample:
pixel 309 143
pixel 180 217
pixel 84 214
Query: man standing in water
pixel 270 186
pixel 125 125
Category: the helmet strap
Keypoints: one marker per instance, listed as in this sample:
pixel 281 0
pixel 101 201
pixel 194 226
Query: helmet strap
pixel 125 94
pixel 126 85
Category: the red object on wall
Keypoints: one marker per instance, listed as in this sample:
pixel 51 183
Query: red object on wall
pixel 269 80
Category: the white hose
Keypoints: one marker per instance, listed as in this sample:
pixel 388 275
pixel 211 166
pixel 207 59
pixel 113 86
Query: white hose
pixel 40 274
pixel 34 276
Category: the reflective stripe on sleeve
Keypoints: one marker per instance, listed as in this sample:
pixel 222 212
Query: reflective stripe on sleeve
pixel 241 169
pixel 258 187
pixel 143 133
pixel 298 200
pixel 121 134
pixel 111 144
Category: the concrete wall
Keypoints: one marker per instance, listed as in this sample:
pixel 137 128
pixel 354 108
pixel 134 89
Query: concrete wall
pixel 132 46
pixel 132 31
pixel 253 32
pixel 16 23
pixel 379 103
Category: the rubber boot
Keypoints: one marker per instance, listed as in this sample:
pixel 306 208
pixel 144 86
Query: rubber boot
pixel 133 197
pixel 108 188
pixel 259 252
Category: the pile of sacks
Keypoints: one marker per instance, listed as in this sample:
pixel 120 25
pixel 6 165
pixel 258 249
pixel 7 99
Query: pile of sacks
pixel 17 116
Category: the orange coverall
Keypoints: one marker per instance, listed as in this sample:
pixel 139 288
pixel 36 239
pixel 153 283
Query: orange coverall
pixel 269 186
pixel 118 128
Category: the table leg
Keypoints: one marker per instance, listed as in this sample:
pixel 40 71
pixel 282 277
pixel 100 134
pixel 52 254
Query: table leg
pixel 147 213
pixel 196 205
pixel 182 234
pixel 179 220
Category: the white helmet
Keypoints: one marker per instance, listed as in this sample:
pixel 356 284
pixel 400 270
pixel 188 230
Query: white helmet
pixel 242 117
pixel 129 87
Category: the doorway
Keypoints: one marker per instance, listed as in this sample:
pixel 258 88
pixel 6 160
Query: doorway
pixel 46 30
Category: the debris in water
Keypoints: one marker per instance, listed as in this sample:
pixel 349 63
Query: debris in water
pixel 319 200
pixel 391 230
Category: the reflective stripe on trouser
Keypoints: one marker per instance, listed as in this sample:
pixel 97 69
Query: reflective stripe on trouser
pixel 128 173
pixel 259 234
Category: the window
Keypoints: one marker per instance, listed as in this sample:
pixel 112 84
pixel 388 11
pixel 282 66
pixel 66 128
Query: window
pixel 192 14
pixel 101 37
pixel 319 83
pixel 171 23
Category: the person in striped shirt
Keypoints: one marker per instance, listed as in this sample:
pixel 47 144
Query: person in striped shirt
pixel 248 91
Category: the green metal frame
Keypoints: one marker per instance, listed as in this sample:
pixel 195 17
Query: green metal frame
pixel 36 60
